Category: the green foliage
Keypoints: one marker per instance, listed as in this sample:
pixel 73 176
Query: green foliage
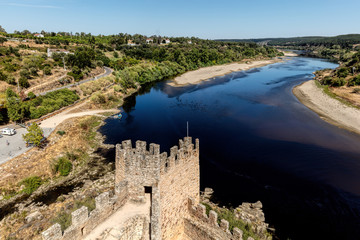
pixel 24 82
pixel 47 70
pixel 61 132
pixel 342 72
pixel 13 105
pixel 34 135
pixel 31 184
pixel 31 95
pixel 64 219
pixel 48 103
pixel 98 98
pixel 88 202
pixel 25 73
pixel 63 166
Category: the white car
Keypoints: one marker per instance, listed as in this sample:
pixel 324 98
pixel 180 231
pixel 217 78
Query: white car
pixel 8 131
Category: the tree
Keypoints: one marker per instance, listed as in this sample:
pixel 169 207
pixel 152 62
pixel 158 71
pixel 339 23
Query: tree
pixel 47 70
pixel 2 29
pixel 34 135
pixel 23 82
pixel 2 40
pixel 13 105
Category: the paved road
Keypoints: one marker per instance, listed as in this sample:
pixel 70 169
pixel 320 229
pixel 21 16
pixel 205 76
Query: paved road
pixel 108 71
pixel 16 144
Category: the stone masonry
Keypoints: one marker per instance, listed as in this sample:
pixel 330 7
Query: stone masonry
pixel 173 183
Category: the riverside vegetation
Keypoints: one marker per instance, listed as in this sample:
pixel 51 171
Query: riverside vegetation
pixel 23 62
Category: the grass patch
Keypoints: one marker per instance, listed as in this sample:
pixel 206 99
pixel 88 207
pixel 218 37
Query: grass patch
pixel 89 126
pixel 31 184
pixel 61 133
pixel 62 165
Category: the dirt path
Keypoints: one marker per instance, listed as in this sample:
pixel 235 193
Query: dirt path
pixel 329 109
pixel 116 220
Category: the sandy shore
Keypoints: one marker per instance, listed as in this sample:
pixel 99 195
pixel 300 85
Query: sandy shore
pixel 194 77
pixel 329 109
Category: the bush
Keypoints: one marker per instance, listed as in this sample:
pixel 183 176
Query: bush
pixel 63 166
pixel 31 184
pixel 31 95
pixel 33 71
pixel 355 81
pixel 64 219
pixel 98 98
pixel 61 133
pixel 47 70
pixel 24 73
pixel 23 82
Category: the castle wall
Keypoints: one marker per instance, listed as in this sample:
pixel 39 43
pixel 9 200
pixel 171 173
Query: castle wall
pixel 179 180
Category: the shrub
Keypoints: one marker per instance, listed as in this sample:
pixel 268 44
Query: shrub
pixel 33 71
pixel 47 70
pixel 31 95
pixel 63 166
pixel 117 88
pixel 64 219
pixel 60 132
pixel 354 81
pixel 11 80
pixel 31 184
pixel 23 82
pixel 25 73
pixel 98 98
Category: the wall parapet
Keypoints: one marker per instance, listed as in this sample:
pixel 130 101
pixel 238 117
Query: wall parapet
pixel 198 211
pixel 83 221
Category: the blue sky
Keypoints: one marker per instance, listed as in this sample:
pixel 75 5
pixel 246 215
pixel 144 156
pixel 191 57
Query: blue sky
pixel 201 18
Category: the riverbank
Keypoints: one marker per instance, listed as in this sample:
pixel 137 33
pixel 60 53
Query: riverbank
pixel 329 109
pixel 202 74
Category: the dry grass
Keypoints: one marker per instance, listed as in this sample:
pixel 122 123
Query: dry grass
pixel 37 161
pixel 348 94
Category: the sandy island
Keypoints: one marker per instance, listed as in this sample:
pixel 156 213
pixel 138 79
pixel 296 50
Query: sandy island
pixel 196 76
pixel 329 109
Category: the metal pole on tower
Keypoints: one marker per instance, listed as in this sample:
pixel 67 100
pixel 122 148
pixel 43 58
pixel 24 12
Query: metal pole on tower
pixel 187 128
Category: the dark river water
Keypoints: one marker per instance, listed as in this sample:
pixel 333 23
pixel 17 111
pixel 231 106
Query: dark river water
pixel 258 142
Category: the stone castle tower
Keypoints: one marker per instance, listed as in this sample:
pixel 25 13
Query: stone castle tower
pixel 170 180
pixel 168 186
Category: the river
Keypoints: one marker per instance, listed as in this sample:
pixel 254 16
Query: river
pixel 258 142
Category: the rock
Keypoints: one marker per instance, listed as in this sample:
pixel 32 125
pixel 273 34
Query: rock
pixel 33 216
pixel 258 204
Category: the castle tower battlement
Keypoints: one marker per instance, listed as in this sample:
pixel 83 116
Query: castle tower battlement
pixel 170 179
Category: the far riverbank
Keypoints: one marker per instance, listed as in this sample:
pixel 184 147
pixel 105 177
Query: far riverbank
pixel 206 73
pixel 329 109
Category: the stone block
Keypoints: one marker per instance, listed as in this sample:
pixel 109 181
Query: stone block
pixel 237 233
pixel 103 200
pixel 213 216
pixel 224 225
pixel 33 216
pixel 79 216
pixel 52 233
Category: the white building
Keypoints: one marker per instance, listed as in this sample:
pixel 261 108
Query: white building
pixel 39 35
pixel 51 51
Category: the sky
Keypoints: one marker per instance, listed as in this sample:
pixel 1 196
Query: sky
pixel 208 19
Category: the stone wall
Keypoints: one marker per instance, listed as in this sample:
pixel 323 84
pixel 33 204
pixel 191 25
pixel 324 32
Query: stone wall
pixel 201 226
pixel 179 180
pixel 84 222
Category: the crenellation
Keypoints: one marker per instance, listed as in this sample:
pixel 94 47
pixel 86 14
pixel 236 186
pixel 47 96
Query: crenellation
pixel 140 147
pixel 52 233
pixel 224 225
pixel 238 234
pixel 79 216
pixel 102 200
pixel 213 218
pixel 126 144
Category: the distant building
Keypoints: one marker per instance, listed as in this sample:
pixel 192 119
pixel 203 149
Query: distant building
pixel 189 42
pixel 149 40
pixel 165 41
pixel 39 35
pixel 51 51
pixel 131 43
